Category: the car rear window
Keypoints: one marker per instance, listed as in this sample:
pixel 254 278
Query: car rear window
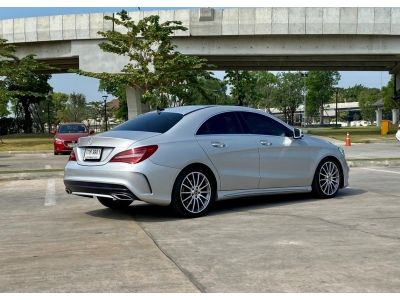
pixel 72 128
pixel 152 122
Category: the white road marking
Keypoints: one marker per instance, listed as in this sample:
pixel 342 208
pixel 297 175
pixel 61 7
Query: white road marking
pixel 379 170
pixel 50 198
pixel 47 167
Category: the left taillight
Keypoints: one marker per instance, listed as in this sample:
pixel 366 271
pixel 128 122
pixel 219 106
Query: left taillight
pixel 135 155
pixel 72 156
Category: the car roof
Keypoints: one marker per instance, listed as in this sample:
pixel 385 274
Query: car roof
pixel 184 110
pixel 212 109
pixel 72 123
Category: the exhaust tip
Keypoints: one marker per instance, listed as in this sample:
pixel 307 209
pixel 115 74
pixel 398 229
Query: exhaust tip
pixel 122 196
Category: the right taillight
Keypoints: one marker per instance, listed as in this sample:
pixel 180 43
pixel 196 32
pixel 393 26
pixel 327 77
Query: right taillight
pixel 72 156
pixel 135 155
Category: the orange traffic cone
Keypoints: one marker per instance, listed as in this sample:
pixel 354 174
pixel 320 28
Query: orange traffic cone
pixel 348 142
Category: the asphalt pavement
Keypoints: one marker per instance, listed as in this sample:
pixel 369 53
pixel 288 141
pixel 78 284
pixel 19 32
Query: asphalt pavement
pixel 54 242
pixel 31 161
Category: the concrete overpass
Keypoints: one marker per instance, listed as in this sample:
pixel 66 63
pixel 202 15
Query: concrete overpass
pixel 358 39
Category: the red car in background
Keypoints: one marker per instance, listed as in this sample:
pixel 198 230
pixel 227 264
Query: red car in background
pixel 67 135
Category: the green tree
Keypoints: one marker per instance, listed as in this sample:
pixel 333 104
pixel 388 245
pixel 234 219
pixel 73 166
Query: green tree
pixel 22 80
pixel 76 107
pixel 58 105
pixel 266 83
pixel 320 89
pixel 95 111
pixel 119 91
pixel 155 67
pixel 288 94
pixel 3 102
pixel 351 94
pixel 387 96
pixel 51 111
pixel 7 52
pixel 243 86
pixel 26 84
pixel 367 102
pixel 208 91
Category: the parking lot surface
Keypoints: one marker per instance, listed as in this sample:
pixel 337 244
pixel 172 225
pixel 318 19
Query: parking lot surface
pixel 54 242
pixel 16 162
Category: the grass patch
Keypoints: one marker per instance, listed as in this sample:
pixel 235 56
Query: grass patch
pixel 368 134
pixel 26 142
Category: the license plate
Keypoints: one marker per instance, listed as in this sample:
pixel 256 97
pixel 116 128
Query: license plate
pixel 92 153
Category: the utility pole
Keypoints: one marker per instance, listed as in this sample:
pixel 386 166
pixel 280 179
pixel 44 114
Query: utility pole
pixel 105 110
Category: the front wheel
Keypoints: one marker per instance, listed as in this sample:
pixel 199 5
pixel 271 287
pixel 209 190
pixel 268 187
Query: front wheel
pixel 327 179
pixel 194 192
pixel 114 204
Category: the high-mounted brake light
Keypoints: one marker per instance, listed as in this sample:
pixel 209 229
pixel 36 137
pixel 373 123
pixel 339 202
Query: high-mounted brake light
pixel 135 155
pixel 72 156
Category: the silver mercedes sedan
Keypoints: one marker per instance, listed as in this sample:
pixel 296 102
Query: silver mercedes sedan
pixel 188 157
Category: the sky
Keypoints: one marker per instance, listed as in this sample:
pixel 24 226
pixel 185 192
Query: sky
pixel 69 83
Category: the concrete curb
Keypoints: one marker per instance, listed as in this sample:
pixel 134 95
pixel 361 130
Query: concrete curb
pixel 373 163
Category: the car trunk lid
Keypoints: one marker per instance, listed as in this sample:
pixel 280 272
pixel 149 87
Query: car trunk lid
pixel 110 143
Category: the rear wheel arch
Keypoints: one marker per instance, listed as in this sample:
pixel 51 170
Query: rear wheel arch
pixel 203 167
pixel 210 194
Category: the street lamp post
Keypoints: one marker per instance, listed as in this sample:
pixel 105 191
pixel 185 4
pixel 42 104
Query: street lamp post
pixel 105 110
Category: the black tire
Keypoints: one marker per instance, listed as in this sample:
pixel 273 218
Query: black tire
pixel 114 204
pixel 207 195
pixel 324 186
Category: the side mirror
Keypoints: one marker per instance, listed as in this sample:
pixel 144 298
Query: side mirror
pixel 91 131
pixel 297 133
pixel 53 132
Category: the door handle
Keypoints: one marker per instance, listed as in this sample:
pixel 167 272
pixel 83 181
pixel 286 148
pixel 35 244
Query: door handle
pixel 265 143
pixel 218 144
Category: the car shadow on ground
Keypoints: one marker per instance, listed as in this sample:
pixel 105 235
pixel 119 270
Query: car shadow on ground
pixel 144 212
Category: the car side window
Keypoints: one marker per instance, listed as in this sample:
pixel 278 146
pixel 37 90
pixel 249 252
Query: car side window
pixel 224 123
pixel 260 124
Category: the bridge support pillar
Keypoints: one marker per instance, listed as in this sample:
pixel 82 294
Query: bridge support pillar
pixel 395 116
pixel 135 105
pixel 378 117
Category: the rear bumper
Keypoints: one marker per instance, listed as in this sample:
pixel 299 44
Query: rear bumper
pixel 146 181
pixel 89 189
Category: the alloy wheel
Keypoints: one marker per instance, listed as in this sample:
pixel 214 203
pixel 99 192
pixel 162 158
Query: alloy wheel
pixel 329 178
pixel 195 192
